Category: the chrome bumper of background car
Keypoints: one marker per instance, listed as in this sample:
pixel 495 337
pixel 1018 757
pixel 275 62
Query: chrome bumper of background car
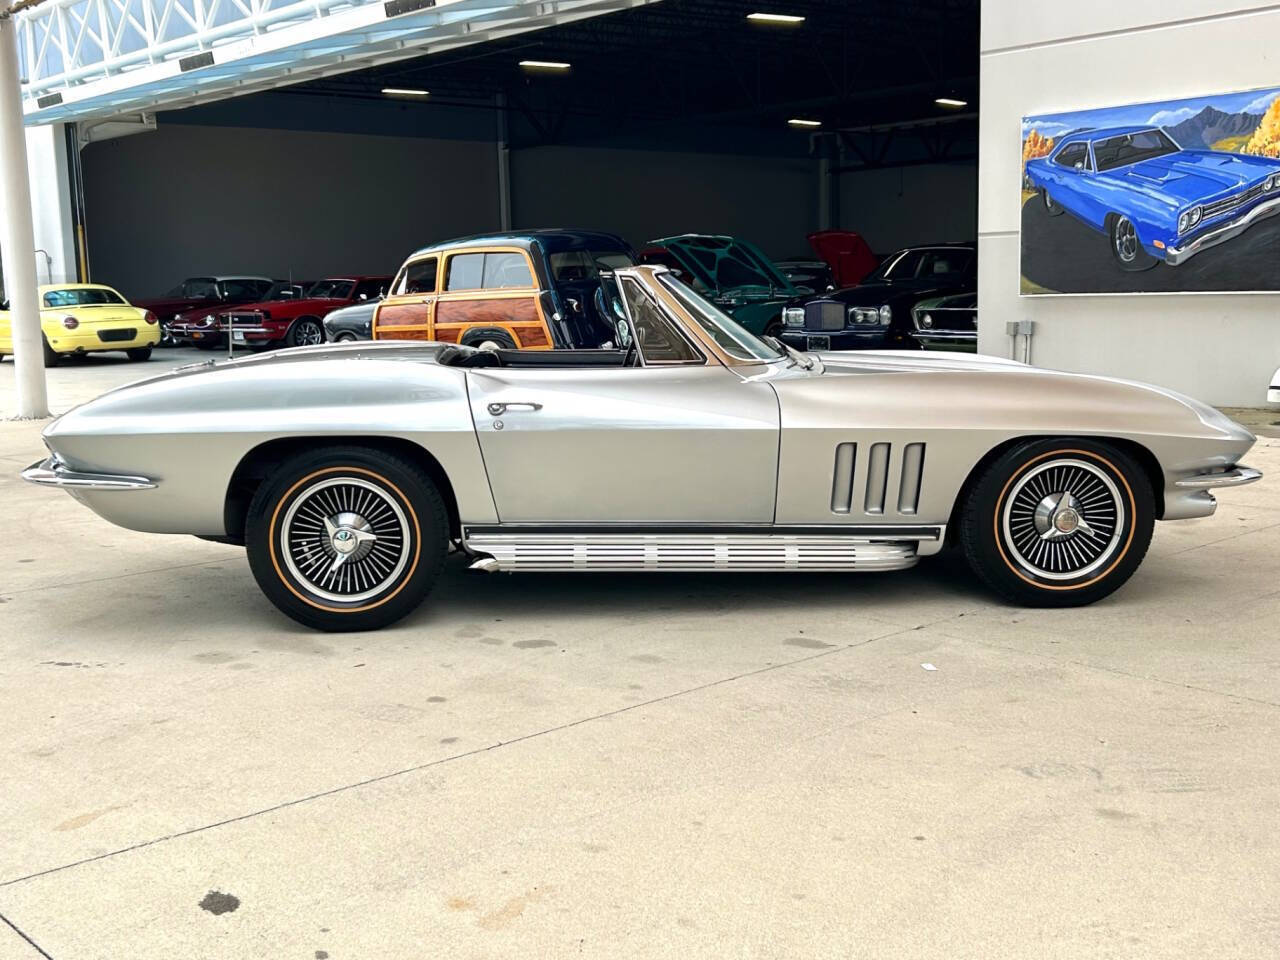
pixel 52 472
pixel 948 338
pixel 1228 231
pixel 1236 477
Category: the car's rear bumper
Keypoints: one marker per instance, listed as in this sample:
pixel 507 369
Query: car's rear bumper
pixel 1222 233
pixel 87 339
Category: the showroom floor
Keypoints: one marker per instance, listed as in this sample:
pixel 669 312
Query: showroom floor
pixel 674 766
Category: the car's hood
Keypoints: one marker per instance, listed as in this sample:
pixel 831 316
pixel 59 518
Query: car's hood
pixel 846 253
pixel 164 307
pixel 306 305
pixel 914 361
pixel 1193 175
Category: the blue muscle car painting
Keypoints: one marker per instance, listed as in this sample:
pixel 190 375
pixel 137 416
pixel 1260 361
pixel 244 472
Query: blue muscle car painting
pixel 1191 185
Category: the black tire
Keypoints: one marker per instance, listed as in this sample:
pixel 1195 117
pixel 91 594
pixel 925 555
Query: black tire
pixel 1038 549
pixel 206 344
pixel 138 354
pixel 773 328
pixel 1051 208
pixel 305 332
pixel 1126 248
pixel 286 538
pixel 51 357
pixel 345 337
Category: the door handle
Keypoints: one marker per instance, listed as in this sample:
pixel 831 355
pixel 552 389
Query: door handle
pixel 497 409
pixel 428 300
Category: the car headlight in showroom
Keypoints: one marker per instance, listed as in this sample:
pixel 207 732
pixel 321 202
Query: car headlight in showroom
pixel 1189 219
pixel 793 316
pixel 880 315
pixel 926 321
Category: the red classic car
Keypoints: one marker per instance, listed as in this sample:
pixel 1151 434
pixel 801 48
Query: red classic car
pixel 291 313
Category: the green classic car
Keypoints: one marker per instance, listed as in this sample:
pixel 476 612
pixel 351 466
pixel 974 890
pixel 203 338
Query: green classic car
pixel 733 273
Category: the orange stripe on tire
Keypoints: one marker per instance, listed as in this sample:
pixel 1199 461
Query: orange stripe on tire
pixel 1120 556
pixel 271 540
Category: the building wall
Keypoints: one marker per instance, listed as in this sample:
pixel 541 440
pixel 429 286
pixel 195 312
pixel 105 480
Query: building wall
pixel 644 194
pixel 191 200
pixel 895 208
pixel 1039 58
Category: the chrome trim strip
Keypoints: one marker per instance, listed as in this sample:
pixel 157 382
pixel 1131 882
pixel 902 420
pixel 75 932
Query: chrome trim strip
pixel 52 472
pixel 683 553
pixel 1228 231
pixel 1232 478
pixel 865 531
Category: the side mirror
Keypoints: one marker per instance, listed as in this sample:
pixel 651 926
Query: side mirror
pixel 1079 165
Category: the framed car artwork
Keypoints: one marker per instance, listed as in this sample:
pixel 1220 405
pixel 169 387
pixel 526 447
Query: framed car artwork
pixel 1177 196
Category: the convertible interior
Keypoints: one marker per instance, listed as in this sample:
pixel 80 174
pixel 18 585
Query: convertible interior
pixel 465 357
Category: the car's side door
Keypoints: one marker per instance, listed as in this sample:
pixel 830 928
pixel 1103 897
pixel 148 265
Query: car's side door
pixel 490 294
pixel 680 440
pixel 407 312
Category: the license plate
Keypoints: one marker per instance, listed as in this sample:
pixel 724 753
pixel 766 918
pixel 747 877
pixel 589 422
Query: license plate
pixel 237 336
pixel 817 343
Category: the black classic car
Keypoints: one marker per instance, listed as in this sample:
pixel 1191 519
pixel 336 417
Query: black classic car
pixel 877 313
pixel 351 323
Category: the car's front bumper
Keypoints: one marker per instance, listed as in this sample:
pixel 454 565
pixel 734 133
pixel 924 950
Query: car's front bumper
pixel 1222 233
pixel 53 472
pixel 959 341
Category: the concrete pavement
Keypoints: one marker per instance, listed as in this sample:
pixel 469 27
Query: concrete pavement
pixel 632 766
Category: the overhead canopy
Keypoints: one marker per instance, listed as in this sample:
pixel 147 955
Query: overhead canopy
pixel 95 59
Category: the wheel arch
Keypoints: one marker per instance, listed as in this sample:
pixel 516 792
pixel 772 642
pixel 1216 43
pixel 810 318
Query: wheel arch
pixel 1145 459
pixel 255 466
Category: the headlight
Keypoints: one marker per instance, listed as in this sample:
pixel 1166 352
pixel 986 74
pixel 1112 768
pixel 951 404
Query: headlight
pixel 886 315
pixel 266 314
pixel 793 316
pixel 207 320
pixel 1273 182
pixel 926 321
pixel 864 315
pixel 1189 219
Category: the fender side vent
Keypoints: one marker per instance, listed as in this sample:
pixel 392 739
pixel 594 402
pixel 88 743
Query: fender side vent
pixel 912 471
pixel 842 479
pixel 877 477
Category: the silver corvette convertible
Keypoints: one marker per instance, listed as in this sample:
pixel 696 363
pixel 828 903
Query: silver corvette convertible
pixel 683 443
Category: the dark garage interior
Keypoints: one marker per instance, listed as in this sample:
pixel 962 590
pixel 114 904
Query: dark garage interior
pixel 670 118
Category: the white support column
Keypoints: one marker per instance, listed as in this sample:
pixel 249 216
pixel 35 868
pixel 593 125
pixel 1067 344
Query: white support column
pixel 50 180
pixel 17 242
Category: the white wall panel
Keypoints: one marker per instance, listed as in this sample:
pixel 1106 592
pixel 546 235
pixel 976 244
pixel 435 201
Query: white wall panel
pixel 1220 347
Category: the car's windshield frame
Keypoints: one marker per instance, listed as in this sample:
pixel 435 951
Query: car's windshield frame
pixel 737 343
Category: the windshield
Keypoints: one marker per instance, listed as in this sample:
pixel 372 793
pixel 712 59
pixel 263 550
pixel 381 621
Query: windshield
pixel 729 335
pixel 1132 148
pixel 910 264
pixel 284 291
pixel 331 290
pixel 81 297
pixel 195 288
pixel 575 266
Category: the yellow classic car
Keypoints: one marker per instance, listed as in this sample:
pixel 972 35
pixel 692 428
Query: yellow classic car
pixel 79 318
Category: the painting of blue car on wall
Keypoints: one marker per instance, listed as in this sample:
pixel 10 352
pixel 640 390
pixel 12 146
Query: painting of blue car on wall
pixel 1177 196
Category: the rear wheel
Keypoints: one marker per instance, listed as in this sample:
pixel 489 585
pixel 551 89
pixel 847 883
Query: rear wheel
pixel 139 353
pixel 1051 208
pixel 51 356
pixel 346 538
pixel 1058 523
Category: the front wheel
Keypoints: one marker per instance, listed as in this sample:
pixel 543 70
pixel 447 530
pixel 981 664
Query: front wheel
pixel 345 338
pixel 1058 523
pixel 1127 248
pixel 139 353
pixel 305 332
pixel 346 538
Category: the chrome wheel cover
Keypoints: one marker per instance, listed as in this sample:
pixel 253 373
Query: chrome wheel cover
pixel 1126 240
pixel 1063 520
pixel 307 334
pixel 345 539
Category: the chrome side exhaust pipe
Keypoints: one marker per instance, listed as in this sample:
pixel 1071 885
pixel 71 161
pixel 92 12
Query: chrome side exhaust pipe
pixel 485 564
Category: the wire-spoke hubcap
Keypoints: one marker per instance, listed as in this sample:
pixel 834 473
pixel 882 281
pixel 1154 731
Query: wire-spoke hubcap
pixel 345 539
pixel 1126 240
pixel 1063 520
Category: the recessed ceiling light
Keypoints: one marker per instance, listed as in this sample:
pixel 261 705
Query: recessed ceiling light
pixel 951 102
pixel 405 92
pixel 775 18
pixel 798 122
pixel 544 65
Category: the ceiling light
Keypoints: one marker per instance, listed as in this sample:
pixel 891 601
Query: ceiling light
pixel 544 65
pixel 405 92
pixel 951 102
pixel 798 122
pixel 775 18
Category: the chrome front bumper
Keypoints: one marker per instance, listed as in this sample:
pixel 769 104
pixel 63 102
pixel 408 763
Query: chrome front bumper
pixel 1228 231
pixel 53 472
